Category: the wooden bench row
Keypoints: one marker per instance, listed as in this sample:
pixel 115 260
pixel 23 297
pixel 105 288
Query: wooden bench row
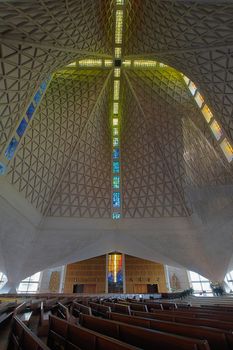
pixel 217 339
pixel 99 309
pixel 144 338
pixel 182 319
pixel 77 308
pixel 197 314
pixel 121 308
pixel 21 338
pixel 63 335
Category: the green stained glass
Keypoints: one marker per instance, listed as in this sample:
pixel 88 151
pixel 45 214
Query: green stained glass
pixel 116 182
pixel 115 141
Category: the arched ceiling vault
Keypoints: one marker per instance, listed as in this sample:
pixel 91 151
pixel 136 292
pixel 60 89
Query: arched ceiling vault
pixel 176 185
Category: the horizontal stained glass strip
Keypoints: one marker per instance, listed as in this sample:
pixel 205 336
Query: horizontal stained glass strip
pixel 116 201
pixel 10 151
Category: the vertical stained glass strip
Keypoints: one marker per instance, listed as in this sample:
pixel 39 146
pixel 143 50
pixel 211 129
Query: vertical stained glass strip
pixel 116 200
pixel 116 167
pixel 115 273
pixel 116 182
pixel 116 216
pixel 116 153
pixel 115 141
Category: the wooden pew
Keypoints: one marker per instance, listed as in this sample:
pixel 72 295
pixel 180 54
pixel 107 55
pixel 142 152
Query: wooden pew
pixel 217 339
pixel 142 337
pixel 197 314
pixel 63 335
pixel 43 327
pixel 22 313
pixel 121 308
pixel 22 338
pixel 63 312
pixel 50 304
pixel 77 309
pixel 99 309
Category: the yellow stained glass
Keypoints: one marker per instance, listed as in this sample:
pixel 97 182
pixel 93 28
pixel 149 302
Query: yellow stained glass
pixel 117 72
pixel 115 107
pixel 227 149
pixel 115 121
pixel 126 63
pixel 116 89
pixel 216 130
pixel 144 63
pixel 90 63
pixel 207 113
pixel 108 63
pixel 119 26
pixel 117 52
pixel 199 99
pixel 115 131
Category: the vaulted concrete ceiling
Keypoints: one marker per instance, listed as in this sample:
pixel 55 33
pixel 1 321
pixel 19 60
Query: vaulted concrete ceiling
pixel 177 188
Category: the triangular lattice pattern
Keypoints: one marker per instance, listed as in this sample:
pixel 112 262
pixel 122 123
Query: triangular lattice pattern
pixel 85 189
pixel 195 38
pixel 49 142
pixel 148 190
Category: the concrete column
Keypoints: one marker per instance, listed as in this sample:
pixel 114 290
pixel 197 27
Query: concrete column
pixel 9 288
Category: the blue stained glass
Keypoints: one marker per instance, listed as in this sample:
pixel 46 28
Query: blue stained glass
pixel 43 86
pixel 116 153
pixel 2 168
pixel 30 111
pixel 116 182
pixel 116 200
pixel 9 153
pixel 115 141
pixel 37 97
pixel 116 216
pixel 116 167
pixel 22 127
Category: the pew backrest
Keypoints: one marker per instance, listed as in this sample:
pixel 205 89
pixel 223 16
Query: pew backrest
pixel 142 337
